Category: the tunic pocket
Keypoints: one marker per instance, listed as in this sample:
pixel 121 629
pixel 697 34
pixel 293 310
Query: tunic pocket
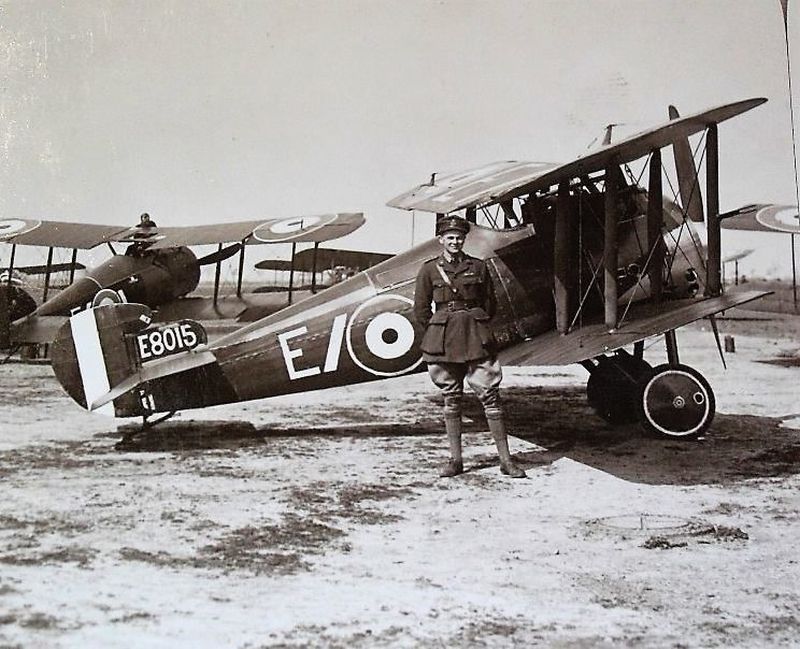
pixel 433 340
pixel 439 292
pixel 471 287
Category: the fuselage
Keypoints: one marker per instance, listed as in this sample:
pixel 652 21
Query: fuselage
pixel 146 277
pixel 363 328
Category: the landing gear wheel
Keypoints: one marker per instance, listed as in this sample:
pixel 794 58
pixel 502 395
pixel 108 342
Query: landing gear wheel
pixel 675 401
pixel 612 389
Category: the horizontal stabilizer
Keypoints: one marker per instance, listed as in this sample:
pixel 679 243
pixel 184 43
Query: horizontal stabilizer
pixel 36 329
pixel 41 269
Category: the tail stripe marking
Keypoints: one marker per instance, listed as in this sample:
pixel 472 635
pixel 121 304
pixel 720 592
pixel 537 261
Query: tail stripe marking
pixel 91 362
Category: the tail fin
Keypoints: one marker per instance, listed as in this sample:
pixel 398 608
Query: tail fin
pixel 91 355
pixel 109 360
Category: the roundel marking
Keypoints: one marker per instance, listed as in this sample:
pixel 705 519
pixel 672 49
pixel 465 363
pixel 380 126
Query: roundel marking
pixel 271 230
pixel 13 227
pixel 286 226
pixel 779 218
pixel 107 296
pixel 389 336
pixel 400 334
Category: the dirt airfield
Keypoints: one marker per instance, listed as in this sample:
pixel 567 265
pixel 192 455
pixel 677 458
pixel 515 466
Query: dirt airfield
pixel 319 520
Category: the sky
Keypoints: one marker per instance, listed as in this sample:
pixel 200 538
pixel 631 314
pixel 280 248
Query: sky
pixel 222 110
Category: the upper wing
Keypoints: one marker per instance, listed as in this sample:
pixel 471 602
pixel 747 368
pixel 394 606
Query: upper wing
pixel 297 229
pixel 763 218
pixel 502 181
pixel 643 320
pixel 57 234
pixel 60 234
pixel 472 187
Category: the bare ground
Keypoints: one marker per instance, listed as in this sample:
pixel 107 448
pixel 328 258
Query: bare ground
pixel 318 519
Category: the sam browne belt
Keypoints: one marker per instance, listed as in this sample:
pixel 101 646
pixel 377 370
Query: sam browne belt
pixel 456 305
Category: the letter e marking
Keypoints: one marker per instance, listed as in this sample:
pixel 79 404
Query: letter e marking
pixel 290 354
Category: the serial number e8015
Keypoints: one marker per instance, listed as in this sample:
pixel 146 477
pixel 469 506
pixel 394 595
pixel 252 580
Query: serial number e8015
pixel 170 339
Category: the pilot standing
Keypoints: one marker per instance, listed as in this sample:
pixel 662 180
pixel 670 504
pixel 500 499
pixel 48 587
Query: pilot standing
pixel 457 343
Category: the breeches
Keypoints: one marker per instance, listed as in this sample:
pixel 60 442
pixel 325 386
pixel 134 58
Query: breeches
pixel 483 376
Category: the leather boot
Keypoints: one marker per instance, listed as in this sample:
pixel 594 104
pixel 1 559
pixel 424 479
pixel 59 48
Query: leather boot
pixel 498 430
pixel 452 424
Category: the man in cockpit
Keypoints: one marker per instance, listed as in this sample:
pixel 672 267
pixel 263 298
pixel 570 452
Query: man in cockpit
pixel 138 247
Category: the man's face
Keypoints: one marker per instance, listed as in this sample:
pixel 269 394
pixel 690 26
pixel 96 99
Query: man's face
pixel 452 241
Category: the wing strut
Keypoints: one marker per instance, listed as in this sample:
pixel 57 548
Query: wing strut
pixel 217 271
pixel 314 268
pixel 73 264
pixel 291 272
pixel 5 308
pixel 671 340
pixel 713 320
pixel 47 273
pixel 713 283
pixel 655 222
pixel 562 244
pixel 11 262
pixel 241 270
pixel 610 249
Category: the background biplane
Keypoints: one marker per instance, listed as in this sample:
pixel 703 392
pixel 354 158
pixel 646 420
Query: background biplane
pixel 334 265
pixel 584 260
pixel 157 268
pixel 768 217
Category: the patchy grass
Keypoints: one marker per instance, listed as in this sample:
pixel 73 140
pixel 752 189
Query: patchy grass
pixel 312 527
pixel 40 526
pixel 81 556
pixel 39 621
pixel 271 548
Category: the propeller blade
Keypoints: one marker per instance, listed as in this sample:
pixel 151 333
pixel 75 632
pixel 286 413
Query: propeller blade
pixel 688 183
pixel 220 255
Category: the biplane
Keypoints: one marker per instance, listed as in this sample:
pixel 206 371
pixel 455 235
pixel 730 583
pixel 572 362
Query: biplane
pixel 586 264
pixel 157 268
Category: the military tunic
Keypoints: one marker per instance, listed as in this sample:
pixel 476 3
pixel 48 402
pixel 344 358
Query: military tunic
pixel 458 331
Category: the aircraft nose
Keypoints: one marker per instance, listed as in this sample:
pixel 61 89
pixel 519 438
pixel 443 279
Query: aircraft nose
pixel 75 295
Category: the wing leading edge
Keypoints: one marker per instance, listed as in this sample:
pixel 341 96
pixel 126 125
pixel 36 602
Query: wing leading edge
pixel 62 234
pixel 503 181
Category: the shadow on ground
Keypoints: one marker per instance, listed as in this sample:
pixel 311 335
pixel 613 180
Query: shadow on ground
pixel 736 447
pixel 559 420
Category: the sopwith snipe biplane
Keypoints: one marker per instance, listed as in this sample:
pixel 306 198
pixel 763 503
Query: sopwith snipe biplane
pixel 585 262
pixel 158 267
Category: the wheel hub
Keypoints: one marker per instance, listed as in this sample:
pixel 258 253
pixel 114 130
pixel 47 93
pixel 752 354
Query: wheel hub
pixel 676 401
